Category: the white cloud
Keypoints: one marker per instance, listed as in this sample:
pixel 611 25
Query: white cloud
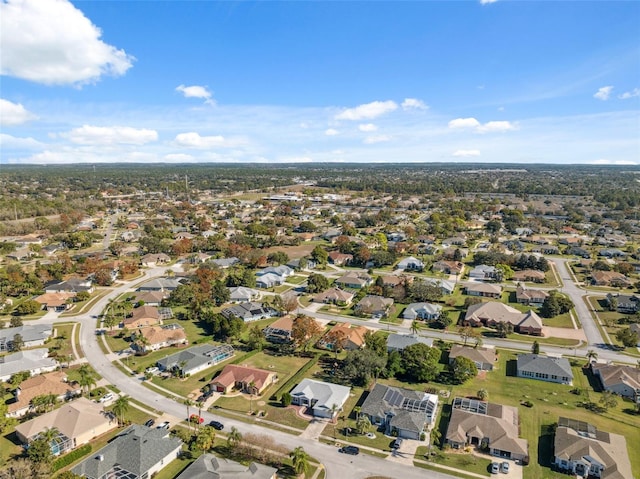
pixel 630 94
pixel 52 42
pixel 367 127
pixel 489 127
pixel 14 113
pixel 466 153
pixel 603 93
pixel 194 140
pixel 110 135
pixel 370 140
pixel 496 127
pixel 178 157
pixel 331 132
pixel 14 142
pixel 464 123
pixel 486 2
pixel 196 91
pixel 368 111
pixel 413 104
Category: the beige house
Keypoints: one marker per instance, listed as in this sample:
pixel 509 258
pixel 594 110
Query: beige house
pixel 55 301
pixel 51 383
pixel 243 378
pixel 349 337
pixel 158 337
pixel 483 358
pixel 78 422
pixel 142 316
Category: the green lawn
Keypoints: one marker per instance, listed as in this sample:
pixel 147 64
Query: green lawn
pixel 61 344
pixel 296 279
pixel 609 321
pixel 464 461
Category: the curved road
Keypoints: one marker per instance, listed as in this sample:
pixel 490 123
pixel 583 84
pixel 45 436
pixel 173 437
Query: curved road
pixel 337 465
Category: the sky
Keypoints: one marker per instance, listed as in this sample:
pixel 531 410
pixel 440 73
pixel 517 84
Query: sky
pixel 319 81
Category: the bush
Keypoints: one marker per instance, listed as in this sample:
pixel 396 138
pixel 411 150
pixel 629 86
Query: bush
pixel 527 403
pixel 71 457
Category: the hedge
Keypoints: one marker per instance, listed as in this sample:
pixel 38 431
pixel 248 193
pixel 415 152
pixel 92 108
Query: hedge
pixel 71 457
pixel 294 379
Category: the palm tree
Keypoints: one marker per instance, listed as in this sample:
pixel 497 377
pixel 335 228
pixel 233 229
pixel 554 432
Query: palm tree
pixel 300 460
pixel 482 394
pixel 49 435
pixel 188 403
pixel 120 407
pixel 87 377
pixel 592 355
pixel 205 438
pixel 357 410
pixel 415 327
pixel 252 388
pixel 363 424
pixel 234 437
pixel 199 404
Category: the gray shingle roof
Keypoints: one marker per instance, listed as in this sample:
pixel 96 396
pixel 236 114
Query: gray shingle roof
pixel 544 364
pixel 137 449
pixel 397 342
pixel 209 466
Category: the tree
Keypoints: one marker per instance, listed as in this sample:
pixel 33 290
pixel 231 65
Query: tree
pixel 40 451
pixel 120 408
pixel 467 332
pixel 420 362
pixel 627 337
pixel 300 460
pixel 482 394
pixel 188 403
pixel 234 437
pixel 376 342
pixel 320 255
pixel 17 343
pixel 255 338
pixel 608 400
pixel 462 369
pixel 15 322
pixel 504 329
pixel 205 438
pixel 535 348
pixel 286 399
pixel 394 365
pixel 592 355
pixel 421 291
pixel 363 424
pixel 415 326
pixel 278 258
pixel 362 365
pixel 444 320
pixel 304 330
pixel 87 377
pixel 317 283
pixel 555 304
pixel 28 307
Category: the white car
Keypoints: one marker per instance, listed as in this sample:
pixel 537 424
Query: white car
pixel 152 370
pixel 106 398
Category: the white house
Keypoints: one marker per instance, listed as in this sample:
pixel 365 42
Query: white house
pixel 324 399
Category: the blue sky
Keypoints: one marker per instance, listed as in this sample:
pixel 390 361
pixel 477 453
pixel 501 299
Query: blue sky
pixel 457 81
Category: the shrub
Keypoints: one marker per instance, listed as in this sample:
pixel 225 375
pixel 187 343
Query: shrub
pixel 71 457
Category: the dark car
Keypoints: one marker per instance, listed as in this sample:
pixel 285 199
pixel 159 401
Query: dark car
pixel 353 450
pixel 149 423
pixel 216 425
pixel 396 444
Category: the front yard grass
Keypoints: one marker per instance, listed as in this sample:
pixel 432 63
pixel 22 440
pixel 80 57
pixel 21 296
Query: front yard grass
pixel 464 461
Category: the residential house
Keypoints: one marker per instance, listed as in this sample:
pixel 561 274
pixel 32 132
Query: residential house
pixel 374 306
pixel 251 311
pixel 354 280
pixel 636 329
pixel 424 311
pixel 544 368
pixel 151 260
pixel 448 267
pixel 77 422
pixel 578 251
pixel 624 303
pixel 150 298
pixel 32 335
pixel 350 337
pixel 56 302
pixel 529 275
pixel 283 271
pixel 161 284
pixel 404 412
pixel 583 451
pixel 138 452
pixel 294 264
pixel 612 253
pixel 195 359
pixel 324 399
pixel 141 317
pixel 397 342
pixel 242 294
pixel 530 297
pixel 280 330
pixel 410 264
pixel 340 259
pixel 492 312
pixel 20 254
pixel 54 382
pixel 486 425
pixel 621 380
pixel 483 290
pixel 225 263
pixel 484 358
pixel 484 272
pixel 208 466
pixel 610 278
pixel 242 378
pixel 446 287
pixel 269 280
pixel 72 285
pixel 36 361
pixel 334 296
pixel 158 337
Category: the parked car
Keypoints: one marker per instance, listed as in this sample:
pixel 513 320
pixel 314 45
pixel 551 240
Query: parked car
pixel 163 425
pixel 149 423
pixel 504 467
pixel 106 398
pixel 353 450
pixel 397 443
pixel 216 425
pixel 152 370
pixel 495 468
